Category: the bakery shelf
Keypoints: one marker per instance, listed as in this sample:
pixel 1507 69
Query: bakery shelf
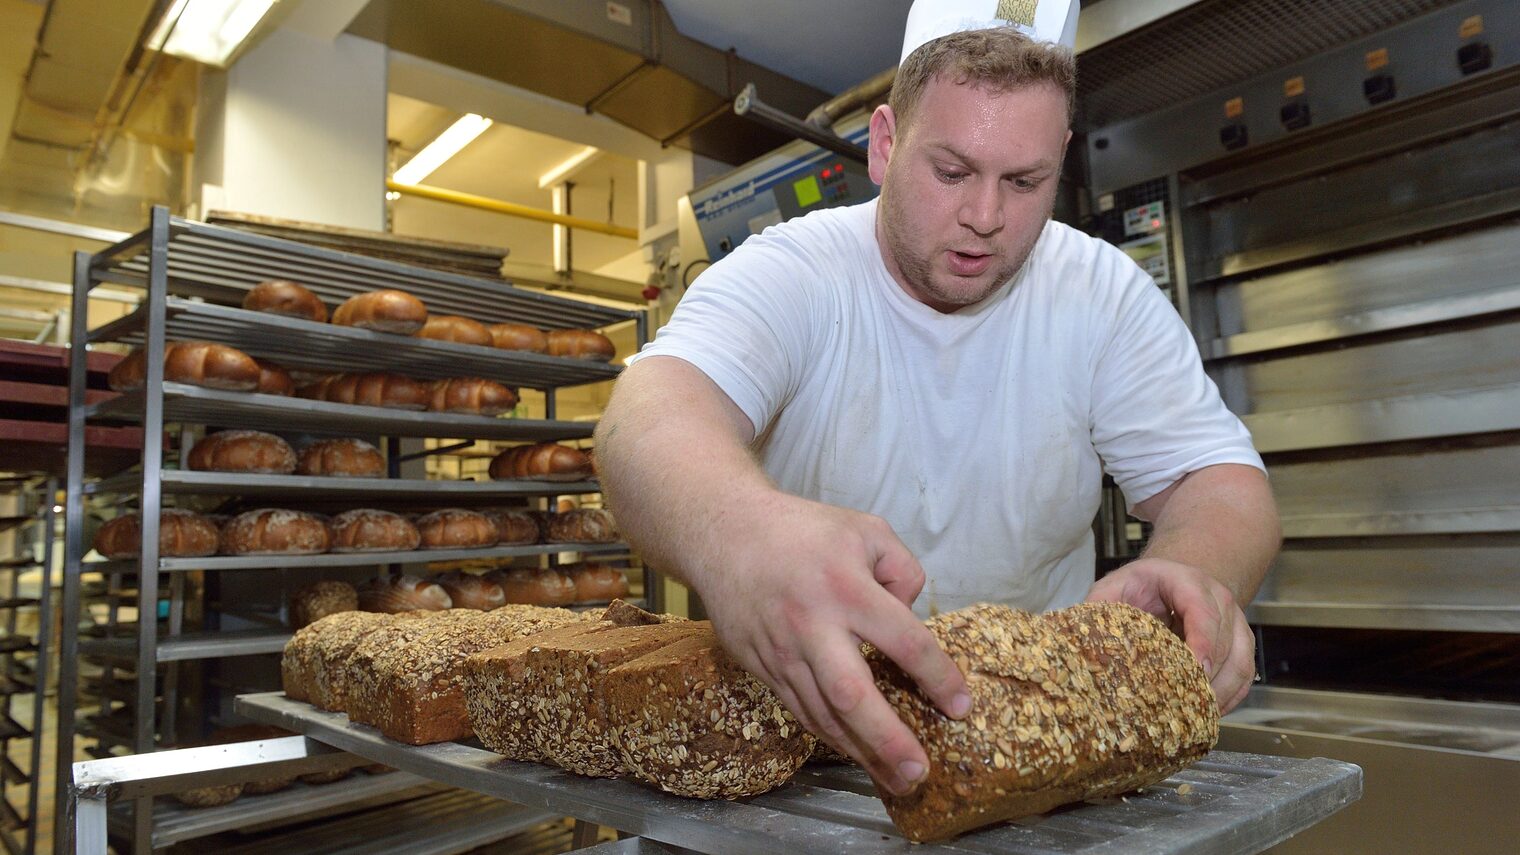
pixel 174 822
pixel 11 773
pixel 198 405
pixel 8 523
pixel 190 645
pixel 350 559
pixel 1234 802
pixel 186 482
pixel 298 343
pixel 16 643
pixel 17 602
pixel 222 264
pixel 13 563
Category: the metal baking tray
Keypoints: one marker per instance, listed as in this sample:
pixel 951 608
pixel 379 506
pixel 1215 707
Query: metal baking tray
pixel 1227 803
pixel 349 559
pixel 180 482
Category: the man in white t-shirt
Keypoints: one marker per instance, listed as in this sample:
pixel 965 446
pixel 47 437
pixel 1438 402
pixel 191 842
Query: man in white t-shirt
pixel 909 404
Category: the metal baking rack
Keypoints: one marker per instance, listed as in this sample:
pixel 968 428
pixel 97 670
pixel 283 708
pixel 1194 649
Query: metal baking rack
pixel 1226 803
pixel 195 277
pixel 33 532
pixel 299 343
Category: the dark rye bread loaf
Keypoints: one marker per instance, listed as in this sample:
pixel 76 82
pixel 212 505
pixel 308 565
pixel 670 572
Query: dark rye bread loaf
pixel 1082 703
pixel 410 685
pixel 689 720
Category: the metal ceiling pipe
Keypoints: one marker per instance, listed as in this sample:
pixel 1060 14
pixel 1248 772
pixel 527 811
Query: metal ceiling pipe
pixel 749 105
pixel 511 209
pixel 862 94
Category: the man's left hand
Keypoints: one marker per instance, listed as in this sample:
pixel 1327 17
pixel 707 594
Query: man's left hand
pixel 1198 606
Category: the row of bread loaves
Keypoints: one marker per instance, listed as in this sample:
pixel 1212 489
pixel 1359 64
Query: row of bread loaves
pixel 394 311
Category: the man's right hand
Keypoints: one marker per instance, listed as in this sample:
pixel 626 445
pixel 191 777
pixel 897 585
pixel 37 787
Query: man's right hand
pixel 801 586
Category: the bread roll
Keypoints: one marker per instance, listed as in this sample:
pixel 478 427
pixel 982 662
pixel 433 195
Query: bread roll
pixel 469 591
pixel 317 389
pixel 456 329
pixel 378 390
pixel 535 586
pixel 514 527
pixel 471 395
pixel 280 297
pixel 369 530
pixel 181 534
pixel 1082 703
pixel 403 594
pixel 320 599
pixel 545 461
pixel 456 528
pixel 583 525
pixel 341 458
pixel 242 451
pixel 383 311
pixel 253 733
pixel 581 344
pixel 274 380
pixel 198 363
pixel 598 583
pixel 519 337
pixel 273 531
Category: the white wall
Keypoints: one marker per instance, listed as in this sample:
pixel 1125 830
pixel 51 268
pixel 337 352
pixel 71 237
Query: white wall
pixel 301 131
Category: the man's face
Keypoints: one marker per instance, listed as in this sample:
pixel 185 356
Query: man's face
pixel 966 187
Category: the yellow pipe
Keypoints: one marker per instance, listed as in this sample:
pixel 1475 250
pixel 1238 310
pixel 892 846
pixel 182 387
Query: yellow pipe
pixel 511 209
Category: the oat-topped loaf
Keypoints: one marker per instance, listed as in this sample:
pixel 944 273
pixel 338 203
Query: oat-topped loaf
pixel 411 686
pixel 1086 702
pixel 311 668
pixel 689 720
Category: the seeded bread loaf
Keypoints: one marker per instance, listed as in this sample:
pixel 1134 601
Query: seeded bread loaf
pixel 689 720
pixel 411 685
pixel 320 599
pixel 1086 702
pixel 311 667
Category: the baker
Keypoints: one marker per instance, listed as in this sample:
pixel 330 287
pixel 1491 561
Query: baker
pixel 907 406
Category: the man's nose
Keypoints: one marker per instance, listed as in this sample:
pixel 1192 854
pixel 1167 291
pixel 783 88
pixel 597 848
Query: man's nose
pixel 982 208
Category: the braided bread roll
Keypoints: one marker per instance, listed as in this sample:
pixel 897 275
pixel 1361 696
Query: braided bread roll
pixel 545 461
pixel 378 390
pixel 403 594
pixel 471 395
pixel 281 297
pixel 383 311
pixel 456 329
pixel 198 363
pixel 519 337
pixel 581 344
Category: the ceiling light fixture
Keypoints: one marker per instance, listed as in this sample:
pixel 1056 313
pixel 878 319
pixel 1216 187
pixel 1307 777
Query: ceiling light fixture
pixel 572 163
pixel 208 31
pixel 448 144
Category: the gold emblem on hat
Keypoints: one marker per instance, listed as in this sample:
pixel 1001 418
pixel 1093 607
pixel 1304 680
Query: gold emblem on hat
pixel 1017 11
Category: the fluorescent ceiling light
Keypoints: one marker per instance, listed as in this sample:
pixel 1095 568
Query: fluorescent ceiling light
pixel 448 144
pixel 572 163
pixel 208 31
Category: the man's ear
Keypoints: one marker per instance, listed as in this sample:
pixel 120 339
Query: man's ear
pixel 883 135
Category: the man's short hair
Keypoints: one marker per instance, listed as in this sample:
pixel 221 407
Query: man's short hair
pixel 1000 59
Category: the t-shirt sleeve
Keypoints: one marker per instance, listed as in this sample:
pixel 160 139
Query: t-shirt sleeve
pixel 1156 416
pixel 745 323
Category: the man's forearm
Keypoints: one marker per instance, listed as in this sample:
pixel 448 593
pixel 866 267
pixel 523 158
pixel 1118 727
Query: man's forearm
pixel 673 459
pixel 1222 520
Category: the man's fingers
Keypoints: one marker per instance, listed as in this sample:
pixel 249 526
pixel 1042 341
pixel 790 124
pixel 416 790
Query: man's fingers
pixel 1233 682
pixel 896 569
pixel 1204 625
pixel 905 640
pixel 889 751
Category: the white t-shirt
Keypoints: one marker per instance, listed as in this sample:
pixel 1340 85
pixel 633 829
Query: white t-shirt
pixel 981 436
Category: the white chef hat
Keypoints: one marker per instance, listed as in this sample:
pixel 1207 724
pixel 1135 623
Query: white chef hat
pixel 1042 20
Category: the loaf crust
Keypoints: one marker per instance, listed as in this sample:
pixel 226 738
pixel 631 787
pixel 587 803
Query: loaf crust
pixel 514 526
pixel 371 530
pixel 471 395
pixel 376 390
pixel 582 525
pixel 469 591
pixel 545 461
pixel 282 297
pixel 181 534
pixel 242 451
pixel 519 337
pixel 274 380
pixel 383 311
pixel 1086 702
pixel 198 363
pixel 581 344
pixel 456 528
pixel 312 666
pixel 275 531
pixel 341 458
pixel 598 582
pixel 403 594
pixel 320 599
pixel 535 586
pixel 456 329
pixel 692 722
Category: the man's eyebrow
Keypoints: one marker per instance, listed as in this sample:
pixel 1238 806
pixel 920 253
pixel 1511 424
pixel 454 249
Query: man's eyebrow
pixel 1041 165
